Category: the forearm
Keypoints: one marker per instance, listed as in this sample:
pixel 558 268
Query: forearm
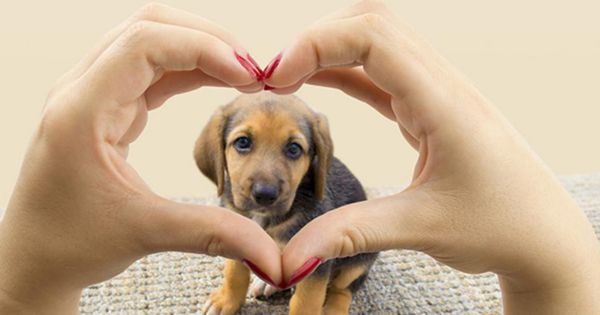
pixel 57 304
pixel 580 299
pixel 26 288
pixel 579 295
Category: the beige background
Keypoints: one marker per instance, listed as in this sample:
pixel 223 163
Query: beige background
pixel 539 62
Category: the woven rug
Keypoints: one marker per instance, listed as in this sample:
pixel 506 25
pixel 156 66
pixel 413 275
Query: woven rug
pixel 401 282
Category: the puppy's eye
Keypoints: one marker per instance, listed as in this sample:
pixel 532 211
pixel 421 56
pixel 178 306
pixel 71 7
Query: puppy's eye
pixel 293 151
pixel 242 144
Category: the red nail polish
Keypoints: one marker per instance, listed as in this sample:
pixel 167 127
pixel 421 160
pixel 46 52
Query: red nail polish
pixel 261 274
pixel 257 74
pixel 268 87
pixel 271 67
pixel 256 67
pixel 302 272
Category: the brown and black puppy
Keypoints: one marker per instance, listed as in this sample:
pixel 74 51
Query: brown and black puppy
pixel 271 158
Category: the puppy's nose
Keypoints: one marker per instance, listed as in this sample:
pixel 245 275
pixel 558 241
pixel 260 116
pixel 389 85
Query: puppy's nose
pixel 265 194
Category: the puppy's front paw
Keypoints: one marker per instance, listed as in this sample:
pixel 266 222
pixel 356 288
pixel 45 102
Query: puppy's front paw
pixel 260 288
pixel 222 303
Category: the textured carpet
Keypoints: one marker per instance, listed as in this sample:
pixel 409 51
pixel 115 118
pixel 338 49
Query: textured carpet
pixel 401 282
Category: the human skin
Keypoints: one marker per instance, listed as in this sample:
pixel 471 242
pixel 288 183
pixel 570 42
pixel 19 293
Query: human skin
pixel 480 199
pixel 79 213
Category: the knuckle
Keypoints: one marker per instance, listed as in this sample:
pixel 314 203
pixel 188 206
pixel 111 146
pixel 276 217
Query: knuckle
pixel 375 4
pixel 150 11
pixel 313 38
pixel 372 21
pixel 53 92
pixel 372 6
pixel 51 125
pixel 136 32
pixel 351 238
pixel 353 242
pixel 212 246
pixel 311 33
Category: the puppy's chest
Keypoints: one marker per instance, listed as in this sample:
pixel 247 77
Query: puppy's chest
pixel 280 231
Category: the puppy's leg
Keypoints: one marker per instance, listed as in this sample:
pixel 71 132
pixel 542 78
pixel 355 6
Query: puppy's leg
pixel 309 295
pixel 232 294
pixel 338 301
pixel 339 294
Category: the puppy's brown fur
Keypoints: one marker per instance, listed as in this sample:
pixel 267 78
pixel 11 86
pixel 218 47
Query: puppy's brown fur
pixel 300 187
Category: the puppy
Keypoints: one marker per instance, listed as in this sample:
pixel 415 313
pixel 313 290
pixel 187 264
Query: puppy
pixel 271 158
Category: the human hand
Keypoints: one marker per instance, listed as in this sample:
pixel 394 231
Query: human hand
pixel 480 199
pixel 79 213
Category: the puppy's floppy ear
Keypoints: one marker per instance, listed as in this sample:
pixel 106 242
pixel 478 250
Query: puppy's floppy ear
pixel 323 153
pixel 209 151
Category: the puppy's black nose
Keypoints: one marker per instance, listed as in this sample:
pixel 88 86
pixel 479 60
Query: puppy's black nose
pixel 265 194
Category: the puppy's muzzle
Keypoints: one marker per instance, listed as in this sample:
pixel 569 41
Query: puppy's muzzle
pixel 265 194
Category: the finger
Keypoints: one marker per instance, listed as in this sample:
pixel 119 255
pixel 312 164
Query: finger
pixel 359 8
pixel 391 60
pixel 174 83
pixel 354 82
pixel 168 85
pixel 378 7
pixel 290 89
pixel 152 13
pixel 394 222
pixel 364 40
pixel 414 142
pixel 357 84
pixel 148 49
pixel 169 226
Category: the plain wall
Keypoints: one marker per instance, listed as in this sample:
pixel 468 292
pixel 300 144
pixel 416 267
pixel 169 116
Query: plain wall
pixel 538 61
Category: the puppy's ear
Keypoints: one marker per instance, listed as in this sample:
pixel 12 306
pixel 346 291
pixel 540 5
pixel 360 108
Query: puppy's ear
pixel 209 151
pixel 323 153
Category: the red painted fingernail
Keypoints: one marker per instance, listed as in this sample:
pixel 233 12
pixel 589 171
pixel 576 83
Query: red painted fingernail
pixel 261 274
pixel 256 67
pixel 256 73
pixel 268 87
pixel 271 67
pixel 302 272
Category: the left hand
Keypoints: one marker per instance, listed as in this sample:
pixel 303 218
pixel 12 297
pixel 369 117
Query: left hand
pixel 80 213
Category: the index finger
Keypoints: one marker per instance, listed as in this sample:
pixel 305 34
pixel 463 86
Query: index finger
pixel 152 12
pixel 148 49
pixel 389 59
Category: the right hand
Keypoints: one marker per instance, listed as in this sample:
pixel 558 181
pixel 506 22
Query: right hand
pixel 480 199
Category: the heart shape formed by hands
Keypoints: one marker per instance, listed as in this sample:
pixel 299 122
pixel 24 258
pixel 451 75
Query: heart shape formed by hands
pixel 101 216
pixel 290 278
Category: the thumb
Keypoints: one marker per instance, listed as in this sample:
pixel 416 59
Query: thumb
pixel 172 226
pixel 391 222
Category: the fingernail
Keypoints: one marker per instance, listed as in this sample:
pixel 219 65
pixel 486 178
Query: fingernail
pixel 255 72
pixel 256 67
pixel 271 66
pixel 302 272
pixel 268 87
pixel 261 274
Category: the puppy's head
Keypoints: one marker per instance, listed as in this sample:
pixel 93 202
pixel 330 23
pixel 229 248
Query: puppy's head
pixel 263 145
